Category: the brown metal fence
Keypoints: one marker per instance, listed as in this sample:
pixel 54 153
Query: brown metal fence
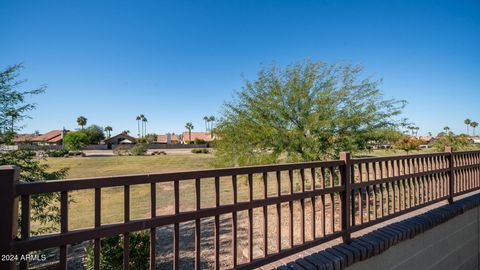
pixel 336 197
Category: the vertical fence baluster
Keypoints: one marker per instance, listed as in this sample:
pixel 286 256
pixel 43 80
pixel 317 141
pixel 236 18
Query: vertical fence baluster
pixel 153 214
pixel 346 181
pixel 63 227
pixel 217 224
pixel 279 212
pixel 9 175
pixel 450 174
pixel 25 230
pixel 97 212
pixel 375 190
pixel 234 222
pixel 176 226
pixel 313 200
pixel 302 206
pixel 322 198
pixel 197 225
pixel 126 236
pixel 265 215
pixel 332 200
pixel 250 218
pixel 290 206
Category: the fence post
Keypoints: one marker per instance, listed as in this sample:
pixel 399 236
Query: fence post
pixel 9 214
pixel 451 175
pixel 345 196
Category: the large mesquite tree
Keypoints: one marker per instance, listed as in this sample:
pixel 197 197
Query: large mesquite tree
pixel 306 111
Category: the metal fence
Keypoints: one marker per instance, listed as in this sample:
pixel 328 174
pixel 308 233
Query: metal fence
pixel 320 200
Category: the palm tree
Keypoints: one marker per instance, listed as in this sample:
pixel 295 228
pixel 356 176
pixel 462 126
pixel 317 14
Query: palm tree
pixel 144 122
pixel 108 129
pixel 189 126
pixel 211 119
pixel 474 125
pixel 138 124
pixel 141 119
pixel 82 121
pixel 467 122
pixel 447 129
pixel 206 119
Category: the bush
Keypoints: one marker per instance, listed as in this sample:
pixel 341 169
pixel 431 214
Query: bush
pixel 127 150
pixel 76 154
pixel 199 141
pixel 75 140
pixel 142 140
pixel 111 253
pixel 156 153
pixel 408 143
pixel 122 150
pixel 57 153
pixel 138 150
pixel 200 151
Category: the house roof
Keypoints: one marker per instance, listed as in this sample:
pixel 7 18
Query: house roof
pixel 425 138
pixel 206 136
pixel 163 138
pixel 53 136
pixel 123 135
pixel 24 137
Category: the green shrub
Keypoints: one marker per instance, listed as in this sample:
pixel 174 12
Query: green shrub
pixel 138 150
pixel 75 140
pixel 111 252
pixel 142 140
pixel 57 153
pixel 122 150
pixel 199 141
pixel 200 151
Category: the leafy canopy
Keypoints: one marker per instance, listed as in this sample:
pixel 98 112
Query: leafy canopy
pixel 13 106
pixel 408 143
pixel 450 139
pixel 306 111
pixel 75 140
pixel 95 134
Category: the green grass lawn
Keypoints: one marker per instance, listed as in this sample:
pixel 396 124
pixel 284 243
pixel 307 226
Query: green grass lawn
pixel 119 165
pixel 81 208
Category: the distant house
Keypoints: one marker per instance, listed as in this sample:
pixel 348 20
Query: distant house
pixel 122 138
pixel 426 141
pixel 474 139
pixel 54 137
pixel 204 136
pixel 169 138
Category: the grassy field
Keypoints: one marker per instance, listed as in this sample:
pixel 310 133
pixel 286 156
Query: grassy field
pixel 82 205
pixel 119 165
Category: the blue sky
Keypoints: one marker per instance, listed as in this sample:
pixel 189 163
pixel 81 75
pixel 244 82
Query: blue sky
pixel 180 60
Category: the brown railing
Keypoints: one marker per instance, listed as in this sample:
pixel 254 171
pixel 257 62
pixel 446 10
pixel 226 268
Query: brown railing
pixel 307 203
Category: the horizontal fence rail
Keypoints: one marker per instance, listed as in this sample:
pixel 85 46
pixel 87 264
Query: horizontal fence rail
pixel 258 214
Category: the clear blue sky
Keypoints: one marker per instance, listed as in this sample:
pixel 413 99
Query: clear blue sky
pixel 178 61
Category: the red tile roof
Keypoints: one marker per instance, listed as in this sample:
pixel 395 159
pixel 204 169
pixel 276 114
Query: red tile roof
pixel 206 136
pixel 163 138
pixel 53 136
